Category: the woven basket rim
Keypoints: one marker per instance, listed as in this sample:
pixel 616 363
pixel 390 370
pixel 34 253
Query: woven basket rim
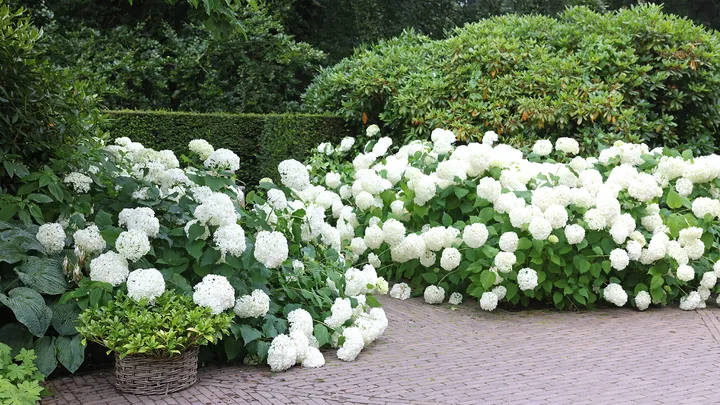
pixel 153 358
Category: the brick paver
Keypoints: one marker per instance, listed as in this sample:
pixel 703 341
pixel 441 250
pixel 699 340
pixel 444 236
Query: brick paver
pixel 435 355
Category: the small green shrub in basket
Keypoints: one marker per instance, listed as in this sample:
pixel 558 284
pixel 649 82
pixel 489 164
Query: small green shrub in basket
pixel 19 377
pixel 169 326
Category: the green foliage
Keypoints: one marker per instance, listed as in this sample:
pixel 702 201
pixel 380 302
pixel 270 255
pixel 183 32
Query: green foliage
pixel 19 377
pixel 32 282
pixel 636 74
pixel 338 26
pixel 169 326
pixel 261 141
pixel 41 108
pixel 171 63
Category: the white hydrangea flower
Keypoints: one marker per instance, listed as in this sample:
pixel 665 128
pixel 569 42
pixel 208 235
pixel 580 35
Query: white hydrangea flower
pixel 434 294
pixel 133 244
pixel 282 353
pixel 357 281
pixel 595 219
pixel 685 273
pixel 230 239
pixel 575 234
pixel 300 320
pixel 374 260
pixel 568 146
pixel 201 147
pixel 109 267
pixel 372 325
pixel 488 301
pixel 89 240
pixel 277 199
pixel 224 159
pixel 340 312
pixel 400 291
pixel 455 298
pixel 556 215
pixel 51 236
pixel 542 147
pixel 271 249
pixel 509 242
pixel 504 261
pixel 489 189
pixel 145 284
pixel 257 304
pixel 372 130
pixel 352 346
pixel 703 206
pixel 450 259
pixel 490 138
pixel 393 232
pixel 79 182
pixel 346 144
pixel 214 292
pixel 709 279
pixel 642 300
pixel 500 291
pixel 381 146
pixel 294 175
pixel 313 358
pixel 527 279
pixel 615 294
pixel 142 218
pixel 374 236
pixel 619 259
pixel 540 228
pixel 475 235
pixel 333 180
pixel 691 301
pixel 381 286
pixel 684 187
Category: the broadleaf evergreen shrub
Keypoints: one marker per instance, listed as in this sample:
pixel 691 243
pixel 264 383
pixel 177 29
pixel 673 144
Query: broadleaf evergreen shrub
pixel 261 141
pixel 637 74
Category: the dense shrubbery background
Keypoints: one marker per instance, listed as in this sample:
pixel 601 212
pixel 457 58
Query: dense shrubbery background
pixel 41 107
pixel 638 75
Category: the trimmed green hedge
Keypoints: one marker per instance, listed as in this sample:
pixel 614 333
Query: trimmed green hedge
pixel 261 140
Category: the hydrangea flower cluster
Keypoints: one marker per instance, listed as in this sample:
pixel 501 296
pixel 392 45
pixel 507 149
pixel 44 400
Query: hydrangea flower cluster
pixel 51 236
pixel 515 226
pixel 214 292
pixel 145 284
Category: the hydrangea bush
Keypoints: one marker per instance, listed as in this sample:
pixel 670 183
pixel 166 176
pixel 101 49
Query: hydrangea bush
pixel 136 221
pixel 631 226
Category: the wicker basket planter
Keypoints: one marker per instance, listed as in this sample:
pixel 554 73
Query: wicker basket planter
pixel 142 375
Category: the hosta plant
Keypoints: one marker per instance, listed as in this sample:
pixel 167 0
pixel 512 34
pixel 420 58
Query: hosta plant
pixel 631 226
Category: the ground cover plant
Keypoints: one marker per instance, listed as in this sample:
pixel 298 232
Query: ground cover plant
pixel 630 226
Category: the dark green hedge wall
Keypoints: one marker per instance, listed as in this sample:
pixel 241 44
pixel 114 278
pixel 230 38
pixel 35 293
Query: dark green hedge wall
pixel 261 140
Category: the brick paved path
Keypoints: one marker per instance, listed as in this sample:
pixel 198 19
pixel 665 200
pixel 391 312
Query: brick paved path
pixel 433 355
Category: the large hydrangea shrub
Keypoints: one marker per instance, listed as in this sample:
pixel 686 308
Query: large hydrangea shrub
pixel 632 226
pixel 136 221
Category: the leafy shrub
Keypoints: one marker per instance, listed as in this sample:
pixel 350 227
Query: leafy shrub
pixel 171 325
pixel 262 141
pixel 637 74
pixel 632 225
pixel 41 108
pixel 19 378
pixel 166 65
pixel 130 208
